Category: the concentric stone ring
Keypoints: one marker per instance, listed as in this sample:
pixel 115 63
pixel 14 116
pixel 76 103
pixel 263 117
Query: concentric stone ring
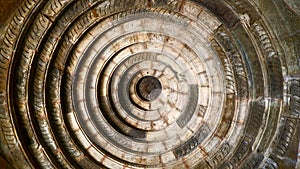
pixel 147 84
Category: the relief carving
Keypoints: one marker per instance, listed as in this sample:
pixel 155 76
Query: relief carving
pixel 192 143
pixel 59 109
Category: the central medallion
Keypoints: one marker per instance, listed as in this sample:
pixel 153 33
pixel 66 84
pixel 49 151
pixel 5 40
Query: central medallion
pixel 148 88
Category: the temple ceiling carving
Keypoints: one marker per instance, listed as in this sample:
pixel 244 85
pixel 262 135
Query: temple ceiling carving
pixel 150 84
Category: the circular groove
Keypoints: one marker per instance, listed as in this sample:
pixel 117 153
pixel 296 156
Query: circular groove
pixel 146 84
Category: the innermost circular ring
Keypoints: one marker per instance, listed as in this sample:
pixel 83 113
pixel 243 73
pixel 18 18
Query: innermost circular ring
pixel 148 88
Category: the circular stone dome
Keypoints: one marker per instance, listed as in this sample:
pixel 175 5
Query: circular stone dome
pixel 151 84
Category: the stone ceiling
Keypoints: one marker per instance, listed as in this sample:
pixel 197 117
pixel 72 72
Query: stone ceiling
pixel 150 84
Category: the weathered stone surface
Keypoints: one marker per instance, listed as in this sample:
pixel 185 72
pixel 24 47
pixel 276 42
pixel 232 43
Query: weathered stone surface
pixel 150 84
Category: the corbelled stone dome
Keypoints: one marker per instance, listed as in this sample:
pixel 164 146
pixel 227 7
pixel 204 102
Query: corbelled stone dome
pixel 150 84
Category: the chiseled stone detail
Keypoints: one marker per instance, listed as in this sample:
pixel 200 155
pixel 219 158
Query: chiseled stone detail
pixel 8 46
pixel 294 89
pixel 253 162
pixel 221 9
pixel 220 156
pixel 270 163
pixel 239 67
pixel 286 137
pixel 244 7
pixel 272 60
pixel 146 84
pixel 192 143
pixel 228 68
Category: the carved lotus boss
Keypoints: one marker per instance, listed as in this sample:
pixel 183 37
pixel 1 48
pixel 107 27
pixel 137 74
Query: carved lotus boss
pixel 141 84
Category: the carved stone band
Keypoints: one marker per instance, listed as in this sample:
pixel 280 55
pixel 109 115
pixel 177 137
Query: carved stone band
pixel 149 84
